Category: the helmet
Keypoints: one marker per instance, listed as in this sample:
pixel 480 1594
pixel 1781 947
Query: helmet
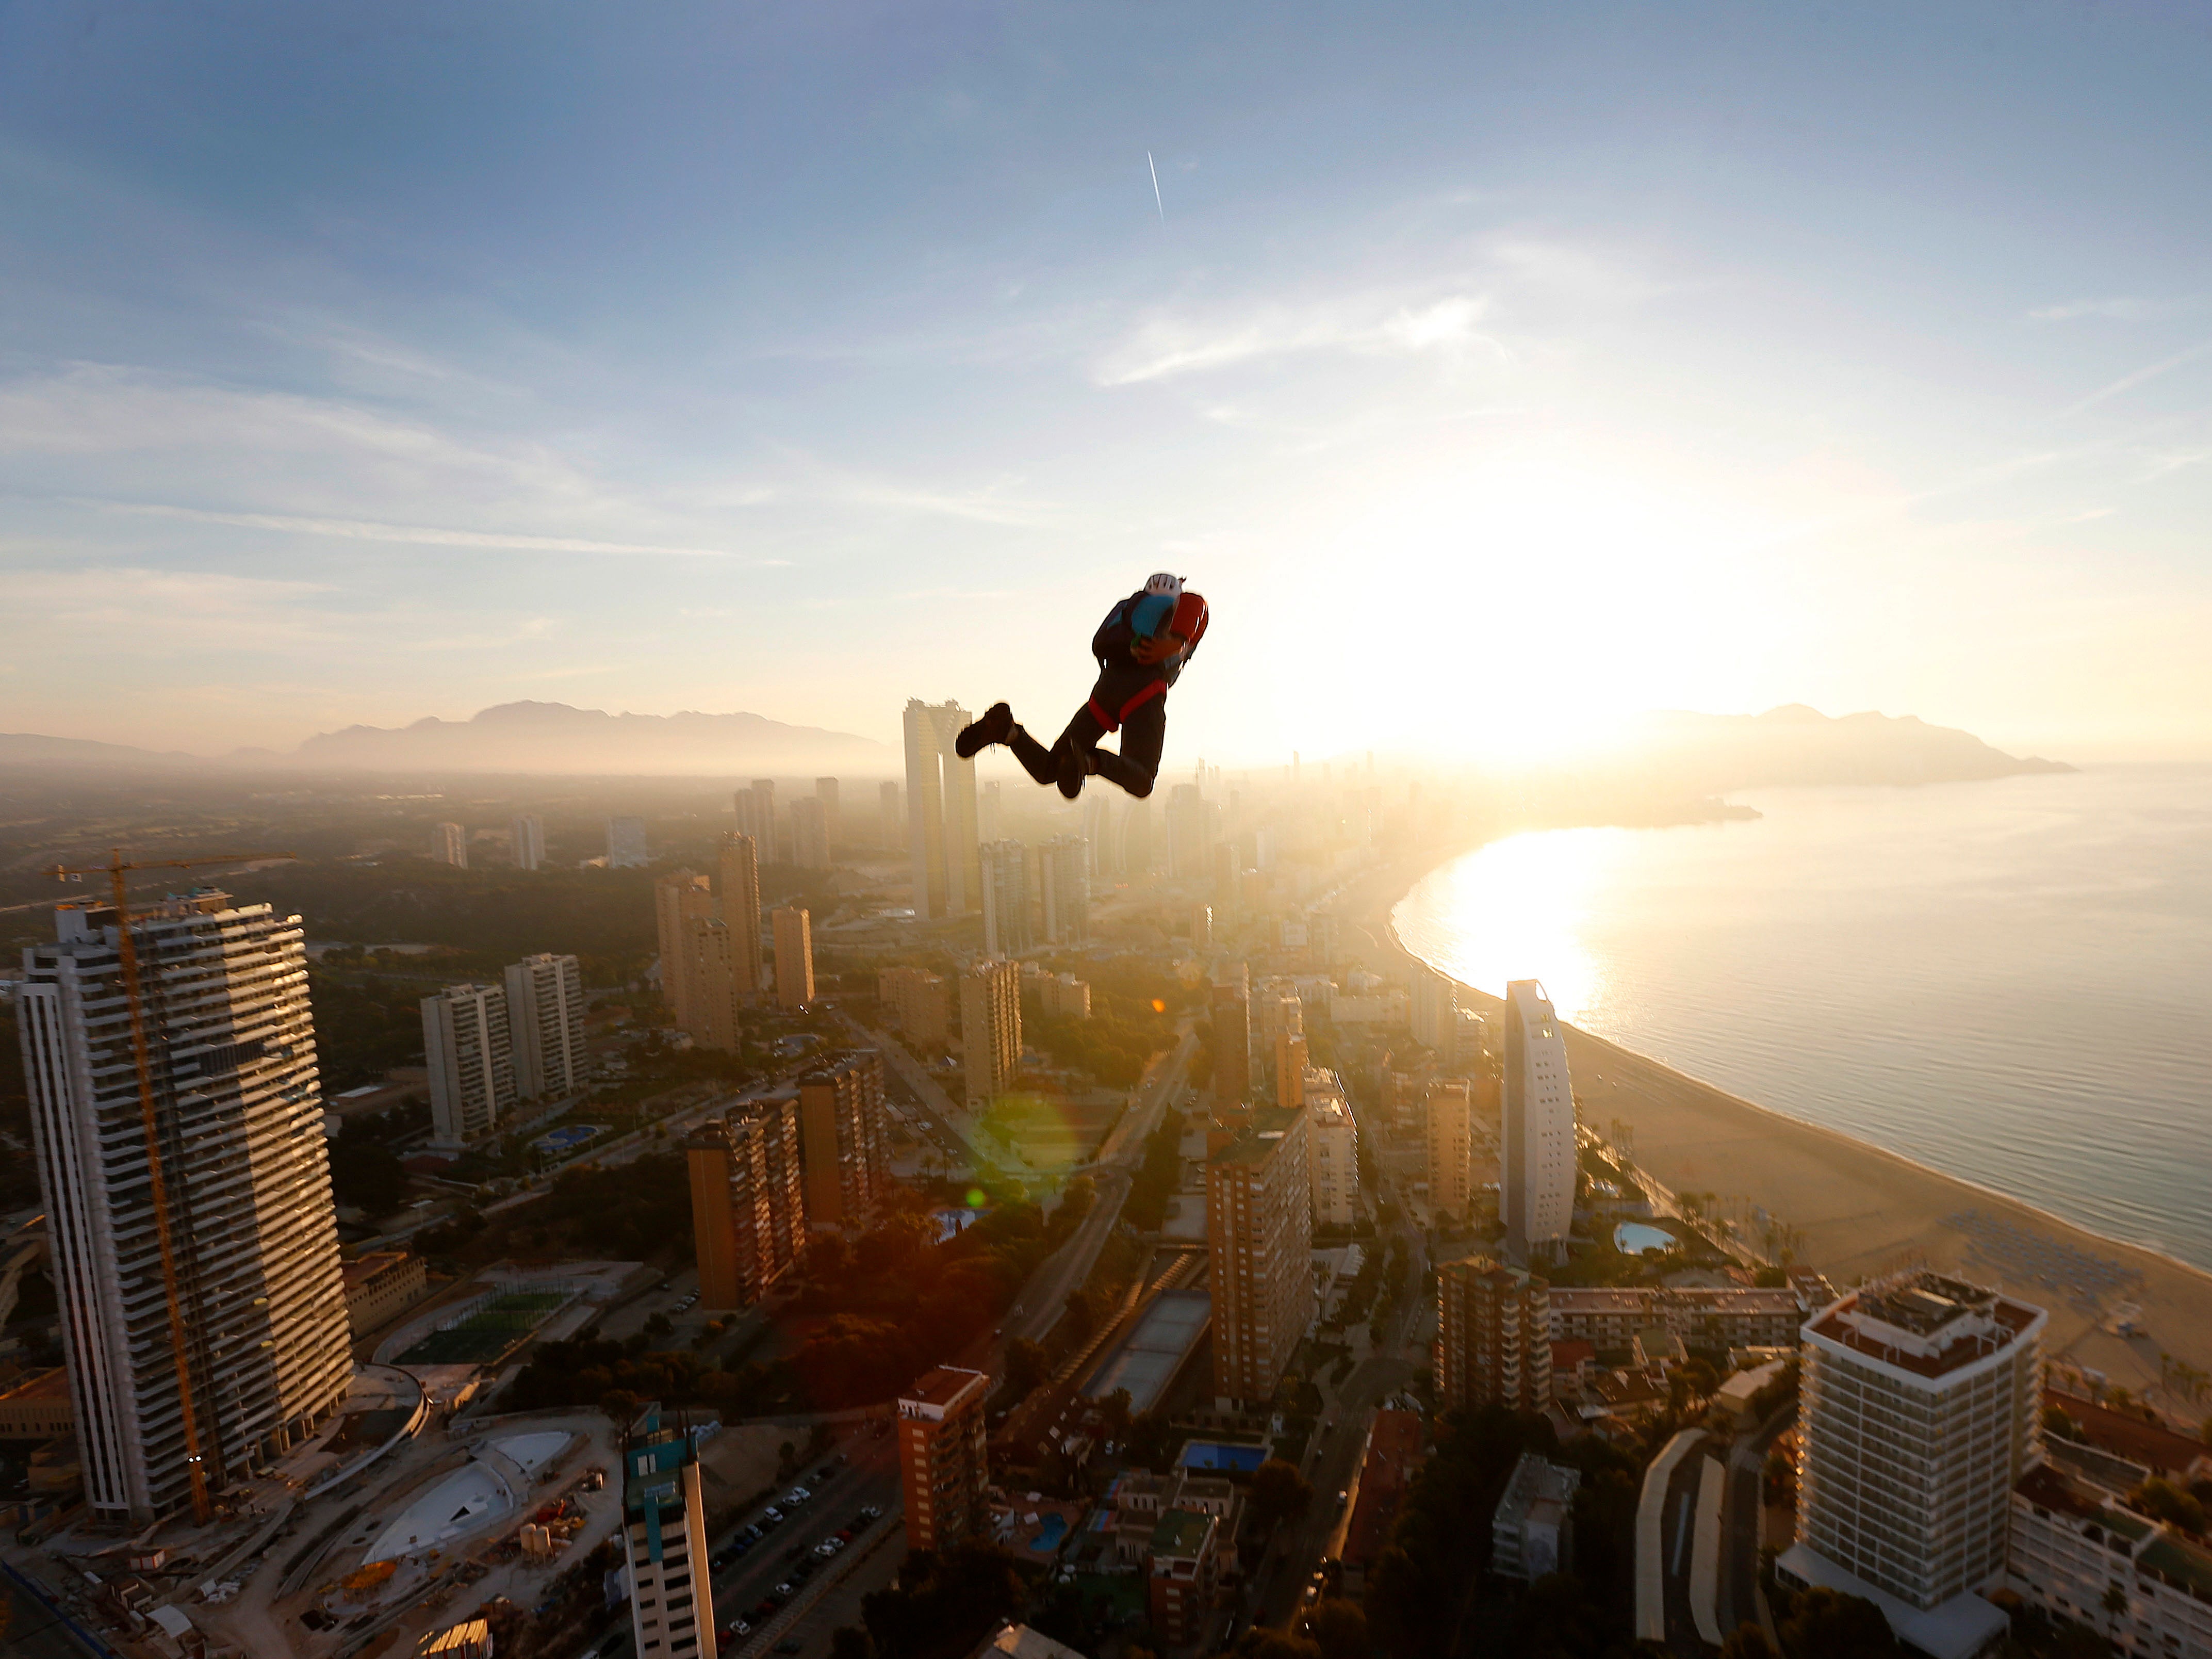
pixel 1164 583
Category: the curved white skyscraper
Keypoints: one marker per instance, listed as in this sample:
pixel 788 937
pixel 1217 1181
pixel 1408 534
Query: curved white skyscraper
pixel 1536 1185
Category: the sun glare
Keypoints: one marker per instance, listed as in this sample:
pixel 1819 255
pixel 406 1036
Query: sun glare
pixel 1518 908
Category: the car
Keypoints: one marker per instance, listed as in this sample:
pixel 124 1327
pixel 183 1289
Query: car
pixel 772 1515
pixel 826 1548
pixel 767 1608
pixel 802 1572
pixel 785 1588
pixel 870 1512
pixel 741 1628
pixel 1343 1496
pixel 798 1495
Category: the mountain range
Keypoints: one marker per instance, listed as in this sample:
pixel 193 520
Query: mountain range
pixel 1706 754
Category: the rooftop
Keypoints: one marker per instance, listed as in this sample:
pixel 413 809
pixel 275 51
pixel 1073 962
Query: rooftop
pixel 941 1387
pixel 1256 1144
pixel 2180 1563
pixel 1926 1323
pixel 1182 1534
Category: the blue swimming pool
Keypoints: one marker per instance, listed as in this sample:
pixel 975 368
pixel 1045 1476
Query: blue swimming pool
pixel 1047 1539
pixel 1208 1455
pixel 1634 1238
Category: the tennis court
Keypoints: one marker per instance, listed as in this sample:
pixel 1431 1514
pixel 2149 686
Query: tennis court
pixel 490 1334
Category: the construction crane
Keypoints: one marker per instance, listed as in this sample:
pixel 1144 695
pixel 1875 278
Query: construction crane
pixel 127 950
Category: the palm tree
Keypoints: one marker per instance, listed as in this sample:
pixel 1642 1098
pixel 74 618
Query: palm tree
pixel 2115 1604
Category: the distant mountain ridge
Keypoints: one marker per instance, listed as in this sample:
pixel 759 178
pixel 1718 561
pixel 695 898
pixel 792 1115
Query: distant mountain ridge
pixel 553 736
pixel 539 738
pixel 1797 745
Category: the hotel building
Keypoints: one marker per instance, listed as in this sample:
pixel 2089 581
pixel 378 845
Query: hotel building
pixel 940 795
pixel 991 1028
pixel 671 1595
pixel 1259 1241
pixel 1536 1187
pixel 841 1137
pixel 748 1200
pixel 1493 1343
pixel 944 1469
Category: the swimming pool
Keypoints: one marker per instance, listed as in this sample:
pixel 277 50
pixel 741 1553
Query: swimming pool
pixel 1634 1238
pixel 1049 1535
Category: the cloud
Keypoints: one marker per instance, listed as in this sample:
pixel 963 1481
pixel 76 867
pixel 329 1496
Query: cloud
pixel 168 612
pixel 2124 307
pixel 1163 347
pixel 2129 382
pixel 420 535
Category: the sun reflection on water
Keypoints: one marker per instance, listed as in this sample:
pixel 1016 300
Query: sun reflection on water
pixel 1517 909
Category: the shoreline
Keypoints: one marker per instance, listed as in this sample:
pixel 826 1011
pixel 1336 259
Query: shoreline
pixel 1859 1208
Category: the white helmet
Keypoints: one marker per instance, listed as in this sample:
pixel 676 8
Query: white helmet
pixel 1164 583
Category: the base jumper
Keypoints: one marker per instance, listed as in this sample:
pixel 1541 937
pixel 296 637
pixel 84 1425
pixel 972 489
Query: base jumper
pixel 1141 648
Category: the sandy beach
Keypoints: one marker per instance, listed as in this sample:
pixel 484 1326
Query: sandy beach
pixel 1863 1210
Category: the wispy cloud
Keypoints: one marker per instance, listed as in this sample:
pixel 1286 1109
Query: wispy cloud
pixel 2123 307
pixel 419 535
pixel 2129 382
pixel 1165 346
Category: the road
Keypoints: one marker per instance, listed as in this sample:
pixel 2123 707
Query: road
pixel 1742 1510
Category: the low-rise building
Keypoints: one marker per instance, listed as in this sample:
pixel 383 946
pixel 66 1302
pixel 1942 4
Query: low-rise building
pixel 1723 1317
pixel 2071 1546
pixel 379 1286
pixel 1185 1569
pixel 39 1409
pixel 1386 1470
pixel 1532 1532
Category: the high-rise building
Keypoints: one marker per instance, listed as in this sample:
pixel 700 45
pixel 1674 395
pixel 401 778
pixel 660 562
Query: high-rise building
pixel 1433 1005
pixel 1232 1038
pixel 678 900
pixel 1101 832
pixel 1228 878
pixel 1006 870
pixel 1493 1344
pixel 991 813
pixel 741 910
pixel 748 1202
pixel 1536 1152
pixel 545 1026
pixel 626 844
pixel 755 810
pixel 940 810
pixel 825 791
pixel 944 1468
pixel 1064 871
pixel 889 823
pixel 449 844
pixel 1467 1044
pixel 1450 1109
pixel 672 1596
pixel 712 973
pixel 526 841
pixel 1259 1241
pixel 1190 850
pixel 991 1028
pixel 1290 1069
pixel 1335 1136
pixel 1276 1014
pixel 469 1050
pixel 920 1006
pixel 260 1314
pixel 809 833
pixel 794 955
pixel 1917 1415
pixel 841 1137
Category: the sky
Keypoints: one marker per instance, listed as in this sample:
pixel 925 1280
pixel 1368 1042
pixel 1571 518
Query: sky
pixel 1495 373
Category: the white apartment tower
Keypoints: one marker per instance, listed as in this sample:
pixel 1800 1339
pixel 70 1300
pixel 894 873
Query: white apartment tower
pixel 1334 1137
pixel 526 841
pixel 1063 866
pixel 755 807
pixel 545 1026
pixel 237 1112
pixel 1536 1130
pixel 1006 870
pixel 991 1028
pixel 449 844
pixel 672 1599
pixel 626 844
pixel 1917 1416
pixel 940 812
pixel 470 1056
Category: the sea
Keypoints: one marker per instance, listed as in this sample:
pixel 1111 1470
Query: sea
pixel 2010 982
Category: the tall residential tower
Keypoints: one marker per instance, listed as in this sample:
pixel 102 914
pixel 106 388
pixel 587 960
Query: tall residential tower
pixel 941 810
pixel 1537 1132
pixel 238 1112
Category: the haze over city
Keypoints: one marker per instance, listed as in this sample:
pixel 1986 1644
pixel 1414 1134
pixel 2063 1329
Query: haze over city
pixel 983 831
pixel 1486 371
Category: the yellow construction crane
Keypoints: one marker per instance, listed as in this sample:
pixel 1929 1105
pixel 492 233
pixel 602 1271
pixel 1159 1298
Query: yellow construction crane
pixel 126 948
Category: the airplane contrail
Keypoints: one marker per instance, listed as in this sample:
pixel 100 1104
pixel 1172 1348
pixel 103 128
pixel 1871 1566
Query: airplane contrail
pixel 1156 203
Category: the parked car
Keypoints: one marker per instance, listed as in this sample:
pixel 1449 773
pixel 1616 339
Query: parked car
pixel 870 1512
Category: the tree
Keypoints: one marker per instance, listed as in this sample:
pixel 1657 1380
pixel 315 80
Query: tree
pixel 1261 1643
pixel 1339 1629
pixel 1825 1625
pixel 850 1642
pixel 1278 1493
pixel 620 1406
pixel 2114 1602
pixel 2056 1421
pixel 1745 1641
pixel 2162 1500
pixel 1026 1366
